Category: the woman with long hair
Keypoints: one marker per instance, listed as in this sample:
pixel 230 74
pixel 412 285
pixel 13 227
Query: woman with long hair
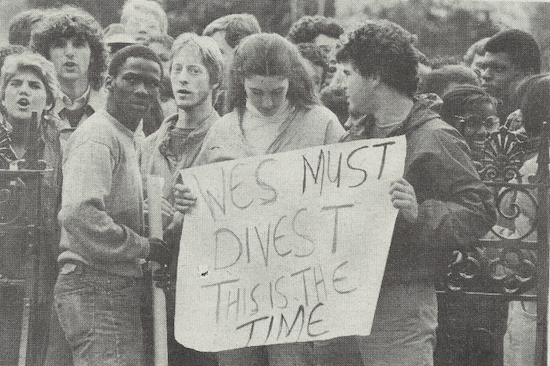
pixel 272 107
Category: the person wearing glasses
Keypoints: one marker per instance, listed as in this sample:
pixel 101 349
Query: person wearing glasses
pixel 472 111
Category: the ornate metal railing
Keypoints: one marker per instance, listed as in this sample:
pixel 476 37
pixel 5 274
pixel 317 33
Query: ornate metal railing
pixel 510 262
pixel 21 242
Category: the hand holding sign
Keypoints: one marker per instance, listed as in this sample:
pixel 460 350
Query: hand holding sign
pixel 403 198
pixel 184 199
pixel 287 247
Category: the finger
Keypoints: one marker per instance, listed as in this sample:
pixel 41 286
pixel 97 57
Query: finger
pixel 399 187
pixel 405 196
pixel 167 207
pixel 402 204
pixel 180 189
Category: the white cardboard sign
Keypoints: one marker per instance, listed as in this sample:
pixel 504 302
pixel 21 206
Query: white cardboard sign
pixel 288 247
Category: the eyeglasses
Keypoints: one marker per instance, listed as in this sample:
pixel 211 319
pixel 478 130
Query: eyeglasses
pixel 475 122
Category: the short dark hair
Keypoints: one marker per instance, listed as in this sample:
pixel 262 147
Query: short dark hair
pixel 457 100
pixel 235 26
pixel 520 46
pixel 308 27
pixel 21 26
pixel 385 49
pixel 140 51
pixel 439 79
pixel 68 22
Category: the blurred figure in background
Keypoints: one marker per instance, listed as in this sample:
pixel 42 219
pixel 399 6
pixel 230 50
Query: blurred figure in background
pixel 318 61
pixel 22 25
pixel 510 56
pixel 474 56
pixel 116 38
pixel 324 32
pixel 162 44
pixel 439 81
pixel 143 19
pixel 228 31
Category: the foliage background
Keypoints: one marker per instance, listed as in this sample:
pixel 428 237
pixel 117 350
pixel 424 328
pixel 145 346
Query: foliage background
pixel 443 27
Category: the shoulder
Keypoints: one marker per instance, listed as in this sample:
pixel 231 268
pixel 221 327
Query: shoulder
pixel 223 125
pixel 96 129
pixel 319 114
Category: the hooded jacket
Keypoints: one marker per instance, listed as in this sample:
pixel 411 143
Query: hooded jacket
pixel 455 207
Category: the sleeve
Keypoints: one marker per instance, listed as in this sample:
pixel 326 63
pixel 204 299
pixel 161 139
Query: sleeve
pixel 457 207
pixel 87 182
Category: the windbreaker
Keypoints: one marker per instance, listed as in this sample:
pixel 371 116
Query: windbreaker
pixel 455 206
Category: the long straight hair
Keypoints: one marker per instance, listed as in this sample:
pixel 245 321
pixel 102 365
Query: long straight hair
pixel 269 54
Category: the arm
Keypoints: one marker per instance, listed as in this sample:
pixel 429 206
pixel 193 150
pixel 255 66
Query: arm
pixel 87 183
pixel 454 207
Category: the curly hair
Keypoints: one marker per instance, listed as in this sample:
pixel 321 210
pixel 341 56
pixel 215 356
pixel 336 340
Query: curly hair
pixel 308 27
pixel 385 49
pixel 35 63
pixel 69 22
pixel 269 54
pixel 522 49
pixel 235 26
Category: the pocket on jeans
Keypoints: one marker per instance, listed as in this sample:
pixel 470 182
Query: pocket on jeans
pixel 76 315
pixel 71 283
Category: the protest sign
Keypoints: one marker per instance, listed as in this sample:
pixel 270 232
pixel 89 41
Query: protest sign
pixel 288 247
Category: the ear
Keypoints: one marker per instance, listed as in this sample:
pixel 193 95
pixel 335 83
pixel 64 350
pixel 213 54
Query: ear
pixel 108 82
pixel 375 80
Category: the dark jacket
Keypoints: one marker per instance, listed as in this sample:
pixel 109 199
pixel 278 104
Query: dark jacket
pixel 455 207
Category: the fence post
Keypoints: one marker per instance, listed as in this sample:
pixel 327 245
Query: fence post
pixel 543 252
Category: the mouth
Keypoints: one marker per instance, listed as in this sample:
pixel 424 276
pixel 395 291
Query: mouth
pixel 23 102
pixel 184 92
pixel 70 64
pixel 141 105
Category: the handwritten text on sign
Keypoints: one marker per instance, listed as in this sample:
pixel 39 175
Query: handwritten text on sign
pixel 287 247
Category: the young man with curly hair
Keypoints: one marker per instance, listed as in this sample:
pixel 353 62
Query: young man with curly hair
pixel 73 41
pixel 442 202
pixel 322 31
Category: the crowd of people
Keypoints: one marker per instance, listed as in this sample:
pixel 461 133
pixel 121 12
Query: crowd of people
pixel 120 103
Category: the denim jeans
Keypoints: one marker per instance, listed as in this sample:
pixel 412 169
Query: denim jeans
pixel 403 331
pixel 100 315
pixel 295 354
pixel 521 334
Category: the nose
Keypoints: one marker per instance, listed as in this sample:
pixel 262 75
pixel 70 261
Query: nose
pixel 141 89
pixel 485 74
pixel 267 102
pixel 25 89
pixel 183 77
